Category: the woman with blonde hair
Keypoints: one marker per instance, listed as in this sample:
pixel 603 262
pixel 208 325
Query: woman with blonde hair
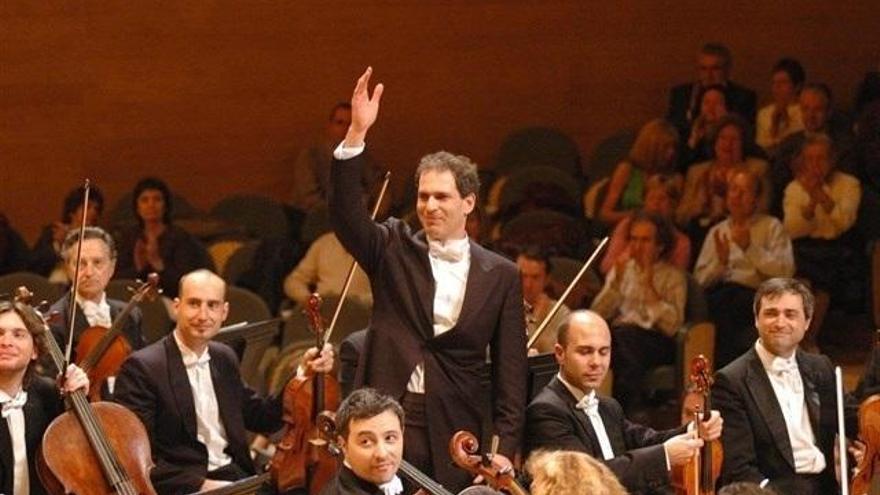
pixel 652 152
pixel 563 472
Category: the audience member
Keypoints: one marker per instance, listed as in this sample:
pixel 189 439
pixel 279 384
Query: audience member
pixel 14 253
pixel 714 63
pixel 562 472
pixel 47 258
pixel 782 117
pixel 653 152
pixel 662 195
pixel 644 299
pixel 738 255
pixel 820 208
pixel 697 147
pixel 155 244
pixel 703 203
pixel 569 414
pixel 534 271
pixel 323 270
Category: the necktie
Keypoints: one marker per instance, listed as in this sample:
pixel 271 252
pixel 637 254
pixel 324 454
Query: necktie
pixel 16 402
pixel 590 405
pixel 452 252
pixel 392 487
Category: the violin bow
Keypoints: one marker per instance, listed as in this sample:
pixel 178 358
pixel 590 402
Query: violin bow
pixel 74 286
pixel 546 321
pixel 354 264
pixel 845 477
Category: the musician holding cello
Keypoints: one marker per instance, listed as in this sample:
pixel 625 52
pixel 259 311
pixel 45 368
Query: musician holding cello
pixel 189 394
pixel 29 402
pixel 93 308
pixel 569 414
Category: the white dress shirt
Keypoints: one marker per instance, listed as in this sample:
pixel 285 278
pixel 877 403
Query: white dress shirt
pixel 13 414
pixel 846 193
pixel 589 404
pixel 209 429
pixel 96 313
pixel 785 378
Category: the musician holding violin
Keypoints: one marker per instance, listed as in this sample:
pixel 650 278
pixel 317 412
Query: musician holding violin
pixel 29 402
pixel 93 308
pixel 189 394
pixel 568 414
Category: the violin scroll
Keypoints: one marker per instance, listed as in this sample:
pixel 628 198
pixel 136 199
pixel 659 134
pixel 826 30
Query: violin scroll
pixel 464 451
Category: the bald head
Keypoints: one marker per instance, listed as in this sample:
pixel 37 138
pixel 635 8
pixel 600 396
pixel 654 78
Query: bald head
pixel 579 320
pixel 201 308
pixel 202 277
pixel 583 350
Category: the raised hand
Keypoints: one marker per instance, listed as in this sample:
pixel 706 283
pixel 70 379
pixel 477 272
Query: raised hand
pixel 364 109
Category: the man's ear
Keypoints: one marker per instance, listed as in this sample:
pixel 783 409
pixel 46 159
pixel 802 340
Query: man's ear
pixel 470 201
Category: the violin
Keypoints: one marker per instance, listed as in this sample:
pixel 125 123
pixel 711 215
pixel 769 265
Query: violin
pixel 301 459
pixel 98 448
pixel 464 450
pixel 699 475
pixel 869 434
pixel 102 350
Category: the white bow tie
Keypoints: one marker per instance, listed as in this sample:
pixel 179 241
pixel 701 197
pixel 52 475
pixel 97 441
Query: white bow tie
pixel 16 402
pixel 788 371
pixel 452 251
pixel 589 404
pixel 97 313
pixel 392 487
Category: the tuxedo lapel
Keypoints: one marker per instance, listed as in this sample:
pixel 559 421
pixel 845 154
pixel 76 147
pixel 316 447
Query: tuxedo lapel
pixel 612 423
pixel 811 395
pixel 583 425
pixel 180 386
pixel 477 285
pixel 765 399
pixel 6 460
pixel 425 291
pixel 222 389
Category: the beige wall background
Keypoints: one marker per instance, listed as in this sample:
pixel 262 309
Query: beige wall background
pixel 218 96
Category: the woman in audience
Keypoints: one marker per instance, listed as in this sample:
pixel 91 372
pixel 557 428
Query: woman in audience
pixel 653 152
pixel 713 106
pixel 155 244
pixel 662 193
pixel 820 206
pixel 706 183
pixel 564 472
pixel 783 116
pixel 46 256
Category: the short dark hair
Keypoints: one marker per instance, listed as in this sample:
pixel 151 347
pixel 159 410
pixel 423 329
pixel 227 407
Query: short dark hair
pixel 35 327
pixel 537 253
pixel 72 239
pixel 665 233
pixel 778 286
pixel 76 197
pixel 793 68
pixel 154 183
pixel 467 181
pixel 719 50
pixel 365 403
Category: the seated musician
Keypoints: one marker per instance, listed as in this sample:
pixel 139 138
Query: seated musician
pixel 29 402
pixel 778 401
pixel 568 414
pixel 93 308
pixel 190 396
pixel 534 271
pixel 370 433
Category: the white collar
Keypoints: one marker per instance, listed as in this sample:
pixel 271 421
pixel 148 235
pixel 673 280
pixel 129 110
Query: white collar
pixel 189 356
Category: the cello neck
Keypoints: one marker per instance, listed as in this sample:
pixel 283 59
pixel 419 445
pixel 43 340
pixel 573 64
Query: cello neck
pixel 421 479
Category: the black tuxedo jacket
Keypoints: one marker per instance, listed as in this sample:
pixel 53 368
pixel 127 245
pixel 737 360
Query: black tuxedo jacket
pixel 347 483
pixel 153 383
pixel 755 438
pixel 401 328
pixel 553 422
pixel 59 326
pixel 43 405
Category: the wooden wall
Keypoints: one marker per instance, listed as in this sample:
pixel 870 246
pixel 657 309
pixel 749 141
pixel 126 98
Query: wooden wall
pixel 218 96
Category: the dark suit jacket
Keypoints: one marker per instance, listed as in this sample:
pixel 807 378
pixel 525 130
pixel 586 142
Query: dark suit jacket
pixel 59 326
pixel 755 438
pixel 346 483
pixel 350 351
pixel 401 328
pixel 43 405
pixel 553 422
pixel 153 383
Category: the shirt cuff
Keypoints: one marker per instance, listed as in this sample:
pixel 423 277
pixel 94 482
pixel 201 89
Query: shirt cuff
pixel 764 483
pixel 343 152
pixel 666 456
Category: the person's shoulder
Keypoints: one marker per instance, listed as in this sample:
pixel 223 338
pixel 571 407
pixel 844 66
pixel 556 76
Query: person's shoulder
pixel 737 368
pixel 150 355
pixel 491 260
pixel 42 387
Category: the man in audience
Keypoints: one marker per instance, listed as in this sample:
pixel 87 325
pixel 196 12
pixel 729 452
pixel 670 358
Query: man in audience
pixel 568 413
pixel 190 396
pixel 93 308
pixel 323 270
pixel 534 271
pixel 778 402
pixel 644 299
pixel 714 62
pixel 740 253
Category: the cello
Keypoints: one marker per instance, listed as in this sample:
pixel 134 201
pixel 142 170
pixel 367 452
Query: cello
pixel 464 450
pixel 94 449
pixel 698 476
pixel 103 350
